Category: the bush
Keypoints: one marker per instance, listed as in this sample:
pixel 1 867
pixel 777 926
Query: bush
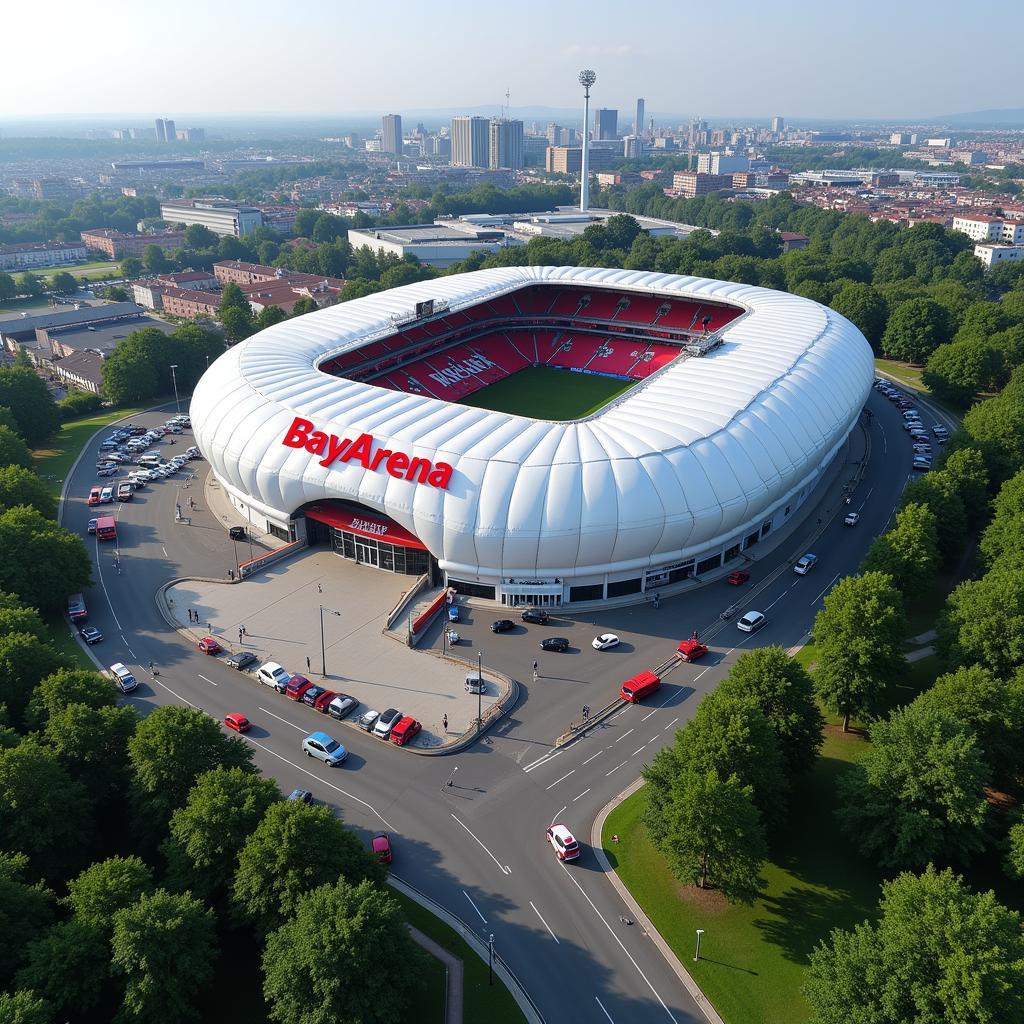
pixel 79 403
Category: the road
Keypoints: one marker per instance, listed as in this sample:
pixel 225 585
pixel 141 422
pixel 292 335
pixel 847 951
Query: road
pixel 477 847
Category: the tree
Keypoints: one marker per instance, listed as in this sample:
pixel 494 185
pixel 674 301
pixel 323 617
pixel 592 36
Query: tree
pixel 131 267
pixel 357 287
pixel 29 284
pixel 238 325
pixel 295 848
pixel 997 425
pixel 918 793
pixel 864 307
pixel 25 911
pixel 303 306
pixel 8 289
pixel 915 329
pixel 63 283
pixel 859 637
pixel 909 551
pixel 940 495
pixel 346 955
pixel 43 811
pixel 785 695
pixel 1005 533
pixel 207 834
pixel 68 966
pixel 78 403
pixel 712 833
pixel 199 236
pixel 268 316
pixel 115 293
pixel 24 1007
pixel 171 748
pixel 938 953
pixel 13 450
pixel 94 743
pixel 164 944
pixel 16 618
pixel 232 297
pixel 19 486
pixel 955 373
pixel 106 887
pixel 42 562
pixel 155 260
pixel 25 659
pixel 68 686
pixel 965 466
pixel 1013 859
pixel 25 393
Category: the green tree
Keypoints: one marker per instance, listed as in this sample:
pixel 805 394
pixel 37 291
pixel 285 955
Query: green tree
pixel 24 1007
pixel 1013 856
pixel 295 848
pixel 918 793
pixel 93 742
pixel 26 910
pixel 864 307
pixel 68 966
pixel 1005 533
pixel 238 325
pixel 940 494
pixel 13 450
pixel 131 373
pixel 115 293
pixel 78 403
pixel 915 329
pixel 107 886
pixel 303 306
pixel 199 236
pixel 43 811
pixel 164 945
pixel 938 953
pixel 42 562
pixel 171 748
pixel 346 955
pixel 997 425
pixel 909 551
pixel 64 283
pixel 357 287
pixel 232 297
pixel 25 393
pixel 131 267
pixel 784 693
pixel 25 659
pixel 29 284
pixel 955 373
pixel 68 686
pixel 965 466
pixel 19 486
pixel 859 639
pixel 8 289
pixel 207 834
pixel 155 260
pixel 268 316
pixel 16 618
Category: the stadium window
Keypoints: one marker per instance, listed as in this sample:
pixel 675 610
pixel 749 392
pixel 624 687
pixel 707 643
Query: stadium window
pixel 680 573
pixel 752 539
pixel 591 592
pixel 622 587
pixel 278 532
pixel 472 589
pixel 733 552
pixel 766 528
pixel 707 564
pixel 785 514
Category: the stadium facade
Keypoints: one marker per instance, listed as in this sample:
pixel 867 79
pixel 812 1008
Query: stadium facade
pixel 346 426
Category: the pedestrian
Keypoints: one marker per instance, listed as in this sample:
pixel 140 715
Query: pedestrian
pixel 245 632
pixel 319 589
pixel 189 610
pixel 209 627
pixel 239 636
pixel 445 721
pixel 308 665
pixel 535 667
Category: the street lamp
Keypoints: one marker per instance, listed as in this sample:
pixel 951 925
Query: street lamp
pixel 174 378
pixel 450 780
pixel 586 79
pixel 479 689
pixel 696 952
pixel 490 959
pixel 323 649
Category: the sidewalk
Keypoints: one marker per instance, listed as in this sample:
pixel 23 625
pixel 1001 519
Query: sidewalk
pixel 453 965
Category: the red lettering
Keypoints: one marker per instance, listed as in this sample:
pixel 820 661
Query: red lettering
pixel 421 466
pixel 380 456
pixel 297 433
pixel 360 450
pixel 440 476
pixel 397 464
pixel 334 449
pixel 316 443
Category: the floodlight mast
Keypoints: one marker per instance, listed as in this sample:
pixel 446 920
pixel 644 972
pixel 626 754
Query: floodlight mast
pixel 586 79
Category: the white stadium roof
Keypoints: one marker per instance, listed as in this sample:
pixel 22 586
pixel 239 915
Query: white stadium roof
pixel 689 458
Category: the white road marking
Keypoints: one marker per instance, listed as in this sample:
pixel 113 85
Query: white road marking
pixel 615 769
pixel 831 584
pixel 591 758
pixel 603 1010
pixel 670 724
pixel 126 647
pixel 110 604
pixel 557 781
pixel 474 906
pixel 703 672
pixel 504 870
pixel 569 875
pixel 648 715
pixel 557 813
pixel 624 735
pixel 542 760
pixel 210 681
pixel 184 700
pixel 638 749
pixel 543 922
pixel 584 793
pixel 285 720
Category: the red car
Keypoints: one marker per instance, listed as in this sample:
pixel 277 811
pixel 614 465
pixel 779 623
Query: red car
pixel 237 721
pixel 404 730
pixel 381 845
pixel 208 645
pixel 691 650
pixel 94 496
pixel 738 577
pixel 323 700
pixel 297 687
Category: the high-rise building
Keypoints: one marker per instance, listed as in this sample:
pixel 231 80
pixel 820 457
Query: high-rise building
pixel 170 132
pixel 638 121
pixel 606 124
pixel 391 134
pixel 632 147
pixel 505 144
pixel 778 124
pixel 470 141
pixel 554 134
pixel 161 130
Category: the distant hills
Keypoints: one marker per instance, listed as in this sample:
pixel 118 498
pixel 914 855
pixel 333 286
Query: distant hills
pixel 1009 118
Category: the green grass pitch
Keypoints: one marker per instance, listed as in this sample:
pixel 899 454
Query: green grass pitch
pixel 544 393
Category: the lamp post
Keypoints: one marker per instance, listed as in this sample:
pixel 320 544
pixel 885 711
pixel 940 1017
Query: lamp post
pixel 586 79
pixel 174 379
pixel 696 952
pixel 323 649
pixel 450 780
pixel 490 959
pixel 479 689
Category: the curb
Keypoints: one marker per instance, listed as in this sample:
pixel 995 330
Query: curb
pixel 645 922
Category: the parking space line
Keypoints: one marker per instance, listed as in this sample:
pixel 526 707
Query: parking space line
pixel 504 870
pixel 638 749
pixel 543 922
pixel 284 720
pixel 474 906
pixel 670 724
pixel 557 781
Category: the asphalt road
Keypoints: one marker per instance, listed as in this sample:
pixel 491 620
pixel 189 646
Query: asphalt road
pixel 477 847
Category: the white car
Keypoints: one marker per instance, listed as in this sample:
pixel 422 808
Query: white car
pixel 805 564
pixel 272 674
pixel 123 679
pixel 751 622
pixel 386 721
pixel 852 518
pixel 562 841
pixel 605 642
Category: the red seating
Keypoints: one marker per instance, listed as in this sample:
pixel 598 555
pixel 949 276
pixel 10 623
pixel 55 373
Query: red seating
pixel 642 309
pixel 567 303
pixel 680 314
pixel 574 350
pixel 653 358
pixel 616 356
pixel 602 305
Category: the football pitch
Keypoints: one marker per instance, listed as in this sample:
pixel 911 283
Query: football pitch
pixel 544 393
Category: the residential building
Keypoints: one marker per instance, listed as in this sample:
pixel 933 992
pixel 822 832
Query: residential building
pixel 286 293
pixel 793 240
pixel 606 124
pixel 778 125
pixel 30 255
pixel 391 134
pixel 569 159
pixel 633 147
pixel 221 216
pixel 971 157
pixel 243 274
pixel 161 130
pixel 191 134
pixel 470 141
pixel 190 280
pixel 901 139
pixel 82 370
pixel 189 303
pixel 170 131
pixel 117 244
pixel 697 183
pixel 148 292
pixel 721 163
pixel 505 144
pixel 978 226
pixel 53 188
pixel 994 255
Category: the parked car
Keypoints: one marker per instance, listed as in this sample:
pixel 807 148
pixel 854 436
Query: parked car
pixel 386 722
pixel 311 694
pixel 537 615
pixel 124 492
pixel 751 622
pixel 405 729
pixel 502 625
pixel 605 642
pixel 342 706
pixel 209 645
pixel 242 660
pixel 296 687
pixel 691 650
pixel 805 564
pixel 737 577
pixel 322 701
pixel 325 748
pixel 237 721
pixel 380 844
pixel 475 683
pixel 236 532
pixel 367 720
pixel 302 796
pixel 107 494
pixel 272 674
pixel 90 634
pixel 555 643
pixel 107 471
pixel 562 841
pixel 94 496
pixel 91 528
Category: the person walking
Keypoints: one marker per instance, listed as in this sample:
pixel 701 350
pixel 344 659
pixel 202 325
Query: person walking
pixel 445 721
pixel 535 667
pixel 308 667
pixel 239 635
pixel 319 589
pixel 245 632
pixel 586 712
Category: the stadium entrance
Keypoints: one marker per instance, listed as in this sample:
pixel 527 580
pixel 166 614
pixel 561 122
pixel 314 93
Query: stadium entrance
pixel 369 538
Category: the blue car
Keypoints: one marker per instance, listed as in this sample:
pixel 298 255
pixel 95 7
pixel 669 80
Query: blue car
pixel 453 613
pixel 325 748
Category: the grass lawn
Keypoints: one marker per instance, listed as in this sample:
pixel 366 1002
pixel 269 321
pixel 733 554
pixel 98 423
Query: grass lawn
pixel 481 1001
pixel 903 372
pixel 545 393
pixel 752 958
pixel 95 268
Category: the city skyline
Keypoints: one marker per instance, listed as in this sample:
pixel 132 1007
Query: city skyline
pixel 887 62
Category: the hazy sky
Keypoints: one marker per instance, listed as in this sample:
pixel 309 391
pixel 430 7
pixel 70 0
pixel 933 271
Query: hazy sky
pixel 831 59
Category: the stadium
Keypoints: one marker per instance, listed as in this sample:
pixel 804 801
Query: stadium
pixel 537 435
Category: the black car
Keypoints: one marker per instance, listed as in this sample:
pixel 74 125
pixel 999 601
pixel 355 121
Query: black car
pixel 310 696
pixel 537 615
pixel 90 634
pixel 555 643
pixel 502 626
pixel 237 533
pixel 302 795
pixel 243 659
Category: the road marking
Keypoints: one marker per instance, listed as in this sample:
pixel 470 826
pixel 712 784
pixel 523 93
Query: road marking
pixel 184 700
pixel 210 681
pixel 126 647
pixel 704 672
pixel 542 760
pixel 557 781
pixel 284 720
pixel 474 906
pixel 603 1010
pixel 568 874
pixel 164 550
pixel 831 584
pixel 504 870
pixel 557 813
pixel 648 715
pixel 615 769
pixel 543 922
pixel 591 758
pixel 624 735
pixel 110 604
pixel 584 793
pixel 638 749
pixel 670 724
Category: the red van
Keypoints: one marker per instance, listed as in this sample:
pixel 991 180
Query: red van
pixel 640 686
